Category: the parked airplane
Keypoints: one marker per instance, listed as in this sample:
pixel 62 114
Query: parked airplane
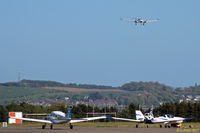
pixel 141 21
pixel 58 117
pixel 167 119
pixel 148 118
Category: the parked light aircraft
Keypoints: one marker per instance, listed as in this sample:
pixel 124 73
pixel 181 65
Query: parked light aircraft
pixel 58 117
pixel 141 21
pixel 148 118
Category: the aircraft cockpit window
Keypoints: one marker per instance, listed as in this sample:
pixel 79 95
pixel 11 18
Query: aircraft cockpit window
pixel 170 116
pixel 53 115
pixel 146 114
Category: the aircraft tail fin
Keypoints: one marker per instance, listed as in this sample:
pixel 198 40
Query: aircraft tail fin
pixel 139 115
pixel 69 112
pixel 151 113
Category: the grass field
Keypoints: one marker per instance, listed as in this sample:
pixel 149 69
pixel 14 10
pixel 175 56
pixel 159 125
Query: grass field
pixel 101 124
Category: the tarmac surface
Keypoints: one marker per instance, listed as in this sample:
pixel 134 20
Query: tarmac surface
pixel 93 130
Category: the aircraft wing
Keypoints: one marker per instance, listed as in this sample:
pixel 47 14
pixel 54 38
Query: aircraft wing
pixel 87 119
pixel 149 21
pixel 30 119
pixel 127 20
pixel 75 121
pixel 124 119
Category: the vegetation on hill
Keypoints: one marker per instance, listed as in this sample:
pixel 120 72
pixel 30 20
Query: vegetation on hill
pixel 146 86
pixel 39 83
pixel 20 94
pixel 143 93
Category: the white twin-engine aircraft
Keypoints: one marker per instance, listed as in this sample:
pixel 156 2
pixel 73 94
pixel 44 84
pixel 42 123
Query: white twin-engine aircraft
pixel 58 117
pixel 141 21
pixel 148 118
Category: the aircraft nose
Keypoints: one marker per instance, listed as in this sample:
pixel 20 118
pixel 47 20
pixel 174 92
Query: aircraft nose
pixel 187 118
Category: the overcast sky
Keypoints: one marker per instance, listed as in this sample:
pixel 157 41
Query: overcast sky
pixel 84 41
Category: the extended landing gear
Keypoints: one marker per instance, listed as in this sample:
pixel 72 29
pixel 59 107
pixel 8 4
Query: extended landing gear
pixel 71 126
pixel 147 126
pixel 51 127
pixel 167 126
pixel 160 126
pixel 43 126
pixel 136 126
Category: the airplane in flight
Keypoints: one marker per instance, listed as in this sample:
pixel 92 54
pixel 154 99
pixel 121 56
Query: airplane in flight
pixel 58 117
pixel 148 118
pixel 141 21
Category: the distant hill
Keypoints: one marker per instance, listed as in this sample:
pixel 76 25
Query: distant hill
pixel 145 86
pixel 143 93
pixel 33 83
pixel 39 83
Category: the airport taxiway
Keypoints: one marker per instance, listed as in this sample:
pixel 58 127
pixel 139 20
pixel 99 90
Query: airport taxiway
pixel 88 130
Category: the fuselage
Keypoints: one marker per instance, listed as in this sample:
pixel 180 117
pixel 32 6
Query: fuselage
pixel 58 117
pixel 166 119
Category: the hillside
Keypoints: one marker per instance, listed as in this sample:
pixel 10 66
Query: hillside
pixel 143 93
pixel 39 83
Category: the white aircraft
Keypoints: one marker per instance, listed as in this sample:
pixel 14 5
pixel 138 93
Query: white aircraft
pixel 141 21
pixel 58 117
pixel 148 118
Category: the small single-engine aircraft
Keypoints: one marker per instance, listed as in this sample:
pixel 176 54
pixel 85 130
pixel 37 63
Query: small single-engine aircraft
pixel 58 117
pixel 148 118
pixel 141 21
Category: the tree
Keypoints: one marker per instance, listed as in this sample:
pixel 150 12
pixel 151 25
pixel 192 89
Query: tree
pixel 3 114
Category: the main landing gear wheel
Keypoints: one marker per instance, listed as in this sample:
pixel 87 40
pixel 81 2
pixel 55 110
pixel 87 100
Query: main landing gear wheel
pixel 147 126
pixel 51 127
pixel 136 126
pixel 43 126
pixel 160 126
pixel 167 126
pixel 71 126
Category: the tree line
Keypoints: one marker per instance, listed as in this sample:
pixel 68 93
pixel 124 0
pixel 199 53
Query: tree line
pixel 40 83
pixel 78 111
pixel 183 109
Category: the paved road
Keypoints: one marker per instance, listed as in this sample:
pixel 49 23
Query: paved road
pixel 89 130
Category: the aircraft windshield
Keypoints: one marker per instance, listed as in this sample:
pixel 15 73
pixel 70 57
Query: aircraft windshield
pixel 53 114
pixel 169 116
pixel 57 114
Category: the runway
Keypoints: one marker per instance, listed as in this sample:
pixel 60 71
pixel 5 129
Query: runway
pixel 89 130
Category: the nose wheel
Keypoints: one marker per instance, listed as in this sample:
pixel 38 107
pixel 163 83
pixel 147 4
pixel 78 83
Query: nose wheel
pixel 167 126
pixel 43 126
pixel 71 126
pixel 51 127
